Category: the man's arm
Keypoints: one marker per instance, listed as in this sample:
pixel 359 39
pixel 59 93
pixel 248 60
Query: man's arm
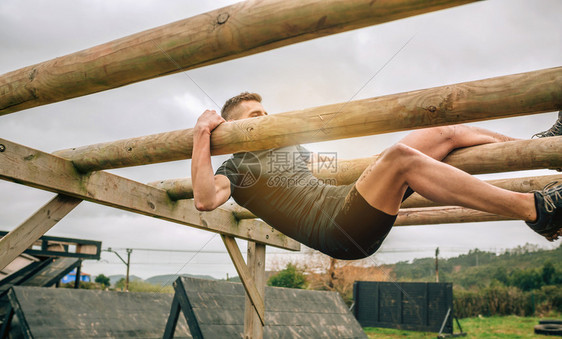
pixel 209 190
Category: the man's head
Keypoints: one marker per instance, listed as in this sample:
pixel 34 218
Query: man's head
pixel 243 106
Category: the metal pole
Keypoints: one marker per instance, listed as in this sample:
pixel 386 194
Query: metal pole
pixel 127 263
pixel 437 264
pixel 129 250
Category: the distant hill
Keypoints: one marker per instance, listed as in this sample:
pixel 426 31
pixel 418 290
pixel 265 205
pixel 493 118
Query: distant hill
pixel 168 279
pixel 478 268
pixel 115 278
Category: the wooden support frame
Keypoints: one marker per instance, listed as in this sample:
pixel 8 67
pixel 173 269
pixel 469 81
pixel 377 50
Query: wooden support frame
pixel 38 169
pixel 181 304
pixel 223 34
pixel 245 275
pixel 23 236
pixel 500 97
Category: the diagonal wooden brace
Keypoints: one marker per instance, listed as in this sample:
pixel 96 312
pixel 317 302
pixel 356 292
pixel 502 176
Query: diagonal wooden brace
pixel 245 276
pixel 23 236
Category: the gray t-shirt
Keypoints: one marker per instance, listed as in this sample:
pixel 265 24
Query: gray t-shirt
pixel 277 186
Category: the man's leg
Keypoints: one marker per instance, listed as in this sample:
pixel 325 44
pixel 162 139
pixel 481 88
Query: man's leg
pixel 438 142
pixel 413 163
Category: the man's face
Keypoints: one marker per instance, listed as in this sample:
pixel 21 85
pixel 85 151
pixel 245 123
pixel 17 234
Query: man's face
pixel 247 109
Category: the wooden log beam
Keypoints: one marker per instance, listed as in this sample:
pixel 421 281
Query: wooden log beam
pixel 231 32
pixel 443 215
pixel 490 158
pixel 522 185
pixel 417 202
pixel 245 275
pixel 38 169
pixel 500 97
pixel 508 156
pixel 22 237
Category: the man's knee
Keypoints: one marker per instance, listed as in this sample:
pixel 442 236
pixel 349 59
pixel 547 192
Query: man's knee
pixel 401 157
pixel 446 134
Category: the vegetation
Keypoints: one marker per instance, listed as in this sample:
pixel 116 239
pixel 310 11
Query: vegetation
pixel 103 280
pixel 478 269
pixel 84 285
pixel 142 286
pixel 524 281
pixel 479 327
pixel 291 277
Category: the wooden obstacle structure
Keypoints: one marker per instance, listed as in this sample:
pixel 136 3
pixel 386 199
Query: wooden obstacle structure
pixel 228 33
pixel 214 309
pixel 77 313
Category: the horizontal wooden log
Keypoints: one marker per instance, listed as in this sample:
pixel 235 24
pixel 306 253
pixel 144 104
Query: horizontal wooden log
pixel 522 185
pixel 519 155
pixel 38 169
pixel 443 215
pixel 412 216
pixel 506 96
pixel 490 158
pixel 231 32
pixel 416 201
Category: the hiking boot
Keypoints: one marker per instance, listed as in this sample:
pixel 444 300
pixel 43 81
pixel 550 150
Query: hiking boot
pixel 555 130
pixel 549 211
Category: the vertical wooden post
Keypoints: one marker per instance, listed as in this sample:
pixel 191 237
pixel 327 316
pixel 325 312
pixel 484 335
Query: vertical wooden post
pixel 253 328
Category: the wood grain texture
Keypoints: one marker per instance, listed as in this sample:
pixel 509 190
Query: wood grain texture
pixel 34 168
pixel 417 202
pixel 22 237
pixel 80 313
pixel 290 313
pixel 256 299
pixel 227 33
pixel 443 215
pixel 498 157
pixel 490 158
pixel 500 97
pixel 256 264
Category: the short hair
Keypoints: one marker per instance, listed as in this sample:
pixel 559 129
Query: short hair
pixel 231 103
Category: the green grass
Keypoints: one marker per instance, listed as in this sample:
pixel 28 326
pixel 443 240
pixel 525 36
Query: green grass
pixel 512 327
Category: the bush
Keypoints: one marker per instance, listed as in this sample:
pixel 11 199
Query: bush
pixel 290 277
pixel 498 299
pixel 103 280
pixel 142 286
pixel 84 285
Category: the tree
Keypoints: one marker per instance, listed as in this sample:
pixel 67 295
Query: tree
pixel 120 284
pixel 548 273
pixel 103 280
pixel 290 277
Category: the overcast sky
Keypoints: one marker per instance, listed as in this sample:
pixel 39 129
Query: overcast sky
pixel 471 42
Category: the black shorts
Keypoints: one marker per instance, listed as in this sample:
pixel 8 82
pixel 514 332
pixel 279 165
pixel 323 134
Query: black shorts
pixel 358 229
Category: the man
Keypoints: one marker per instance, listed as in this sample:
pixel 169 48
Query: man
pixel 351 221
